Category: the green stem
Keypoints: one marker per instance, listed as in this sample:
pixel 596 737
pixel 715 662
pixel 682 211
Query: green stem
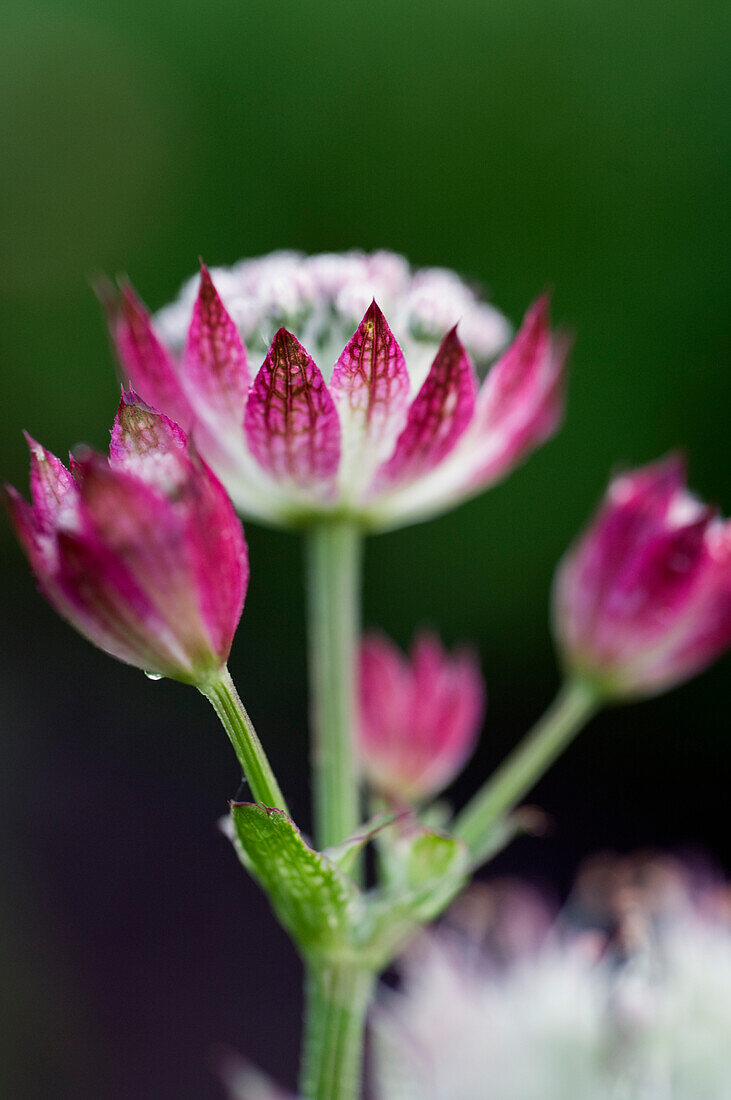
pixel 572 708
pixel 333 590
pixel 337 996
pixel 224 699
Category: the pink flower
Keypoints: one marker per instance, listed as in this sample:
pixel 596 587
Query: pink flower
pixel 643 600
pixel 419 718
pixel 142 552
pixel 377 442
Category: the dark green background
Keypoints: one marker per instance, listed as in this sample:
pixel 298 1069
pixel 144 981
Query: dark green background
pixel 572 144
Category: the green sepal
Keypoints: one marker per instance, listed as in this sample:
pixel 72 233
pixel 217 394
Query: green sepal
pixel 312 897
pixel 426 869
pixel 411 852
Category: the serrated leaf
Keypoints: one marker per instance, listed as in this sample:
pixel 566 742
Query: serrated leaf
pixel 312 897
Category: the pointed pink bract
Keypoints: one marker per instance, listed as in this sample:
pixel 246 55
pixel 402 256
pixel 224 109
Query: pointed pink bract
pixel 291 422
pixel 214 367
pixel 54 491
pixel 149 445
pixel 438 415
pixel 371 372
pixel 146 362
pixel 521 401
pixel 370 385
pixel 218 556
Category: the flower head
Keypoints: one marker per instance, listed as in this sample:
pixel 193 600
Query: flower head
pixel 142 552
pixel 334 421
pixel 643 601
pixel 419 717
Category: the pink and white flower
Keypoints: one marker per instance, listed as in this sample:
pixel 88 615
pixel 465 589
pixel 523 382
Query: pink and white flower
pixel 419 717
pixel 143 552
pixel 357 433
pixel 643 601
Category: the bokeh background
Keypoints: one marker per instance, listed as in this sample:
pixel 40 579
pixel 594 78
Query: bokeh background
pixel 527 143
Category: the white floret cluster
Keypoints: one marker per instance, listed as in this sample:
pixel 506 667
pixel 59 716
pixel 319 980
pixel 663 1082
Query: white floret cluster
pixel 584 1016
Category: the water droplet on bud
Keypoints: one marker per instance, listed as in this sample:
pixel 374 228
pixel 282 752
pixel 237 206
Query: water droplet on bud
pixel 153 675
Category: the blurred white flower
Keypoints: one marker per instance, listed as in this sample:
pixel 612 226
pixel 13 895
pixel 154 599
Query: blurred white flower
pixel 627 997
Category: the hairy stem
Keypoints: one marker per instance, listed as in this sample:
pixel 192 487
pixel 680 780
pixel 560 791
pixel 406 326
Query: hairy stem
pixel 337 998
pixel 224 699
pixel 333 591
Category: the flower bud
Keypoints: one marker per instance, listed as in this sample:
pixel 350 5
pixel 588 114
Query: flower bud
pixel 142 552
pixel 643 601
pixel 419 717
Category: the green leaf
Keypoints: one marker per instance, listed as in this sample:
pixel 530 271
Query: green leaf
pixel 312 897
pixel 323 910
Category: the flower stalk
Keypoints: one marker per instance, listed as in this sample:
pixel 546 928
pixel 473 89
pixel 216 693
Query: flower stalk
pixel 572 708
pixel 333 593
pixel 336 994
pixel 224 698
pixel 337 997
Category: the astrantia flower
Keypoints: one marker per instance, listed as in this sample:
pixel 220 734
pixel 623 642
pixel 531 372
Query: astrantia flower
pixel 642 1012
pixel 326 430
pixel 142 552
pixel 643 601
pixel 419 717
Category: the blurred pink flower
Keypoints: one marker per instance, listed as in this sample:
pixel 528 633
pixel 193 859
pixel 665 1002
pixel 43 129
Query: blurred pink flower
pixel 419 717
pixel 643 601
pixel 376 442
pixel 142 552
